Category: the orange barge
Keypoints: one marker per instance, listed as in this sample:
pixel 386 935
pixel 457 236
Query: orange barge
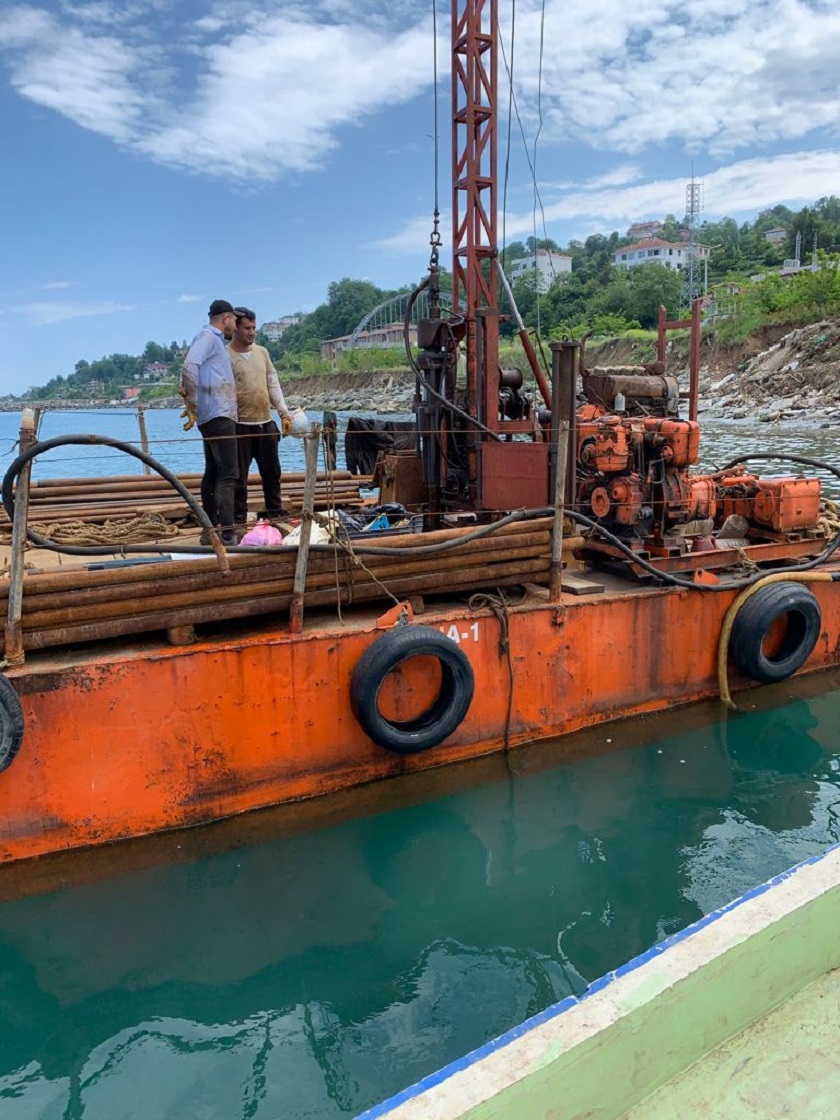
pixel 119 744
pixel 639 576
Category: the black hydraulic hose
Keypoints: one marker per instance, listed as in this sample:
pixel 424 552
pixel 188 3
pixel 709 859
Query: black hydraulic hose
pixel 441 546
pixel 803 460
pixel 373 550
pixel 100 549
pixel 689 584
pixel 409 307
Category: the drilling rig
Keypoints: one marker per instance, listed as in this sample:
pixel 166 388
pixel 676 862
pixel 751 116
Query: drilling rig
pixel 488 440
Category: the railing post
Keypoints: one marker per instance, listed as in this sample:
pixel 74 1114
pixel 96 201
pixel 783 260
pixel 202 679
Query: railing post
pixel 562 409
pixel 144 439
pixel 312 443
pixel 14 626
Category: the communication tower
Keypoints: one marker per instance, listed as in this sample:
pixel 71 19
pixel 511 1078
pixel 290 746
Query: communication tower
pixel 693 206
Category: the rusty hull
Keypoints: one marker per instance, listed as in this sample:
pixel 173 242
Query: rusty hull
pixel 155 738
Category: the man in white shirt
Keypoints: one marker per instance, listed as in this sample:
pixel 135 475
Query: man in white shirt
pixel 258 438
pixel 209 391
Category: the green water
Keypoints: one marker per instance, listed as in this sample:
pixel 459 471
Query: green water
pixel 316 972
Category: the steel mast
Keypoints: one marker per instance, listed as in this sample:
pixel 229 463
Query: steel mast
pixel 474 191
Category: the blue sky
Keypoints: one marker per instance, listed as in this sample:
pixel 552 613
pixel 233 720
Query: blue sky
pixel 160 154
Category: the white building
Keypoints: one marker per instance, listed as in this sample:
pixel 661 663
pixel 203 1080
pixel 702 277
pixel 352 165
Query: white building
pixel 549 266
pixel 274 329
pixel 387 337
pixel 776 236
pixel 655 251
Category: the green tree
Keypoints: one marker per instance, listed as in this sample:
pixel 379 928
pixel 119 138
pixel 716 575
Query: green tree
pixel 348 301
pixel 637 293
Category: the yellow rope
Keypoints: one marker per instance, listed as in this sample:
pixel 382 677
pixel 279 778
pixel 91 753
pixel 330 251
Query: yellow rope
pixel 729 621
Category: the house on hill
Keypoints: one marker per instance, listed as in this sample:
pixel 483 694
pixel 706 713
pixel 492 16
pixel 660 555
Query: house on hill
pixel 548 264
pixel 653 250
pixel 641 230
pixel 274 329
pixel 776 236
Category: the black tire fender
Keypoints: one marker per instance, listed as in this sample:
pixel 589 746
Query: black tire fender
pixel 757 615
pixel 446 712
pixel 11 723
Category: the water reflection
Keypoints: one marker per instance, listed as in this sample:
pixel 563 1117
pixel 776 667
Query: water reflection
pixel 314 974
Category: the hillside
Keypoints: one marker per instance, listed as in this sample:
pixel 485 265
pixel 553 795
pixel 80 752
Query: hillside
pixel 778 373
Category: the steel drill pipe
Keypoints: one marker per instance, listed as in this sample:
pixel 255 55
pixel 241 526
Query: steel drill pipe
pixel 49 611
pixel 534 571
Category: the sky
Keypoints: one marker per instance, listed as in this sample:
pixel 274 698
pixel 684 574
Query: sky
pixel 159 154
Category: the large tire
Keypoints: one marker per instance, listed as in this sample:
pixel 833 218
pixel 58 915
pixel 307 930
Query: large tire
pixel 754 620
pixel 11 724
pixel 446 712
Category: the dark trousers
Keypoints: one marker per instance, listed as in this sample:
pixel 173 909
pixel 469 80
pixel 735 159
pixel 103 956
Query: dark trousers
pixel 260 442
pixel 221 470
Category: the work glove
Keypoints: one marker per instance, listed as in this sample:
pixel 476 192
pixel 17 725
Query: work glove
pixel 188 412
pixel 286 422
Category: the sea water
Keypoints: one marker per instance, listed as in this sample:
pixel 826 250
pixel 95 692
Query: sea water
pixel 182 451
pixel 272 970
pixel 310 973
pixel 176 449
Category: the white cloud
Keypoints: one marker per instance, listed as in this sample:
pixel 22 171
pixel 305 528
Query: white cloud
pixel 188 298
pixel 250 95
pixel 272 98
pixel 609 202
pixel 715 75
pixel 252 91
pixel 744 187
pixel 92 79
pixel 42 314
pixel 56 285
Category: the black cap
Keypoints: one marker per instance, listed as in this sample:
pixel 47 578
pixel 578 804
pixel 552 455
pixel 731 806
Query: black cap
pixel 220 307
pixel 244 313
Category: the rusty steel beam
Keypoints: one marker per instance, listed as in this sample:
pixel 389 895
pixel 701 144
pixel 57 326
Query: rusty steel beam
pixel 712 560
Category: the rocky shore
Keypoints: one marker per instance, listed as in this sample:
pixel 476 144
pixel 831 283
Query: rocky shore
pixel 796 378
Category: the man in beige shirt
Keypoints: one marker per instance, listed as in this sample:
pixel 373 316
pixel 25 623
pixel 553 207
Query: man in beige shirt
pixel 258 438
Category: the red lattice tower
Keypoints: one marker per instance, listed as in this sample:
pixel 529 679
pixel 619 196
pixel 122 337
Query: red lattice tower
pixel 474 188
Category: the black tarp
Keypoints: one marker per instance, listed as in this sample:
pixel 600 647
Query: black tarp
pixel 364 439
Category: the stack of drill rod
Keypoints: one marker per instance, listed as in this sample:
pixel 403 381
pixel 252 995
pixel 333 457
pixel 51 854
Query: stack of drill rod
pixel 79 605
pixel 95 499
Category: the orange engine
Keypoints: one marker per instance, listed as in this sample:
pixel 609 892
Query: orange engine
pixel 627 495
pixel 676 442
pixel 604 445
pixel 784 505
pixel 634 474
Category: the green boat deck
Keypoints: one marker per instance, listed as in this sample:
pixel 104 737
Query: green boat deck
pixel 786 1064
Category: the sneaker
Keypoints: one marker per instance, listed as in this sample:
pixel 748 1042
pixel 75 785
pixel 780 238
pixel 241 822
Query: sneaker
pixel 281 512
pixel 229 538
pixel 205 537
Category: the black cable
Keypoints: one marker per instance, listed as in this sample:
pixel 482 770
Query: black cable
pixel 372 550
pixel 99 550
